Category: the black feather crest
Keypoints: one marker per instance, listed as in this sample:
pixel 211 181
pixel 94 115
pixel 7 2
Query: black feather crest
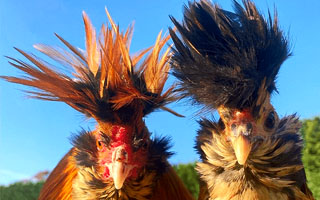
pixel 223 58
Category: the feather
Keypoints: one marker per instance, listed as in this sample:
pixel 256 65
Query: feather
pixel 72 48
pixel 122 42
pixel 118 90
pixel 104 83
pixel 229 61
pixel 170 187
pixel 59 183
pixel 274 169
pixel 91 45
pixel 156 76
pixel 223 57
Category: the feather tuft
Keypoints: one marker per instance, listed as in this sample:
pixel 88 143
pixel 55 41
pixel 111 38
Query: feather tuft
pixel 222 57
pixel 91 45
pixel 104 82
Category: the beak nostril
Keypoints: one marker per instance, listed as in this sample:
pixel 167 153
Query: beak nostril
pixel 120 155
pixel 119 159
pixel 244 128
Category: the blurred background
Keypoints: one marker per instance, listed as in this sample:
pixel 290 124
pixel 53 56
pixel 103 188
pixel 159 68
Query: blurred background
pixel 34 134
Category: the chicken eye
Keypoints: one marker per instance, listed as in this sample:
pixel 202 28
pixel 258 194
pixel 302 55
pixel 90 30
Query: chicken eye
pixel 144 146
pixel 140 144
pixel 99 145
pixel 270 121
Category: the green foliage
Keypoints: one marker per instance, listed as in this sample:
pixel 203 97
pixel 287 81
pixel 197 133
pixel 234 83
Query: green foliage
pixel 189 176
pixel 311 153
pixel 21 191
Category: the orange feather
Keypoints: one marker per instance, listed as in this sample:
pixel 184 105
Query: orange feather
pixel 170 187
pixel 91 45
pixel 59 183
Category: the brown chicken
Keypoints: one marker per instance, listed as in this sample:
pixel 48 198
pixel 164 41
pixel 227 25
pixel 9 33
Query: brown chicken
pixel 229 62
pixel 118 160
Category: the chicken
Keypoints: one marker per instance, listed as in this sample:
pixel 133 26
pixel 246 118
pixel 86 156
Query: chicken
pixel 119 159
pixel 228 62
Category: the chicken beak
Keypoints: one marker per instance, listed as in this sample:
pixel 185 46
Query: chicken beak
pixel 119 168
pixel 242 148
pixel 120 173
pixel 240 136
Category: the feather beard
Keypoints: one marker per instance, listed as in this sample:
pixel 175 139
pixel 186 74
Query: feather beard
pixel 88 183
pixel 274 169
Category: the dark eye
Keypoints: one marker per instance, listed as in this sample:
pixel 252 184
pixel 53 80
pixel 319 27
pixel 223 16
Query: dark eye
pixel 140 144
pixel 270 120
pixel 144 145
pixel 104 139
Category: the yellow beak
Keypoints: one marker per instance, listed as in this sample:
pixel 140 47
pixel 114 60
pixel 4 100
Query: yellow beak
pixel 119 168
pixel 120 172
pixel 242 148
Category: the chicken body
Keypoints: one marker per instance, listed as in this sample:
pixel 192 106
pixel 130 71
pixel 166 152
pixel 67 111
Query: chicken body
pixel 73 178
pixel 262 165
pixel 228 62
pixel 120 159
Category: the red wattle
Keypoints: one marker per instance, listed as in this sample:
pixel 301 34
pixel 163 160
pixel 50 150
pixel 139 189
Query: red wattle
pixel 106 172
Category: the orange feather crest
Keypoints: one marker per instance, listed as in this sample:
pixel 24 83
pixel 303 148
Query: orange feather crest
pixel 104 80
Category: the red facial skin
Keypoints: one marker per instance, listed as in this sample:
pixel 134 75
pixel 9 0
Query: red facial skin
pixel 241 117
pixel 121 137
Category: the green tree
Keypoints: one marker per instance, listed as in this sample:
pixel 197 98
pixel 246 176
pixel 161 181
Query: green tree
pixel 189 176
pixel 21 191
pixel 311 153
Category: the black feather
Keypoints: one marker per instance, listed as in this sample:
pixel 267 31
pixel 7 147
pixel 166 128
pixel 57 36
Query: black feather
pixel 223 58
pixel 86 148
pixel 158 154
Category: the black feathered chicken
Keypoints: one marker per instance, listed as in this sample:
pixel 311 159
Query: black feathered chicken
pixel 228 61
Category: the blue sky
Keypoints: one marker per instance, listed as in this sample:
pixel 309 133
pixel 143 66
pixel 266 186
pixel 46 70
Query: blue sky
pixel 34 134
